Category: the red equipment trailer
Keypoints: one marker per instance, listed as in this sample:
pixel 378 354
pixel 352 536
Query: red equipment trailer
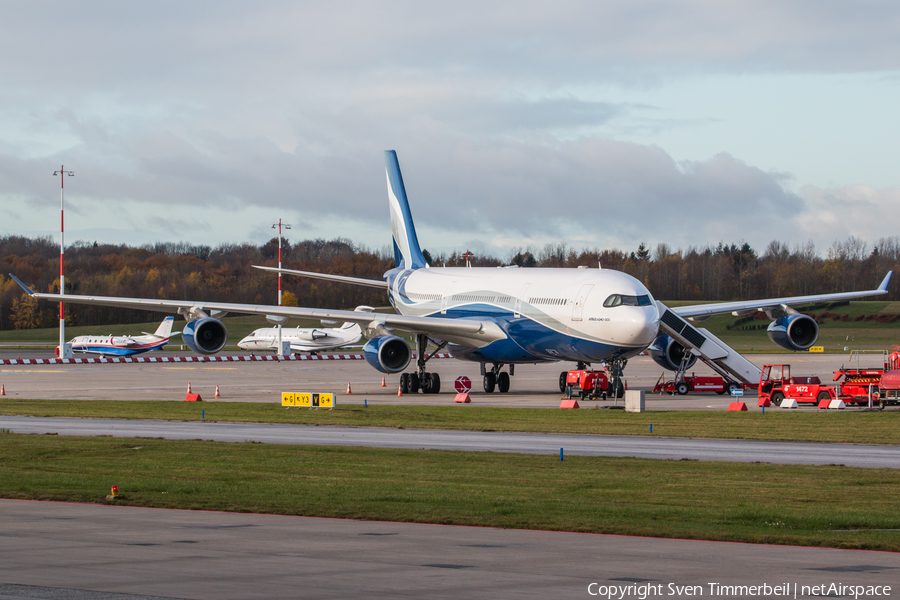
pixel 776 384
pixel 590 385
pixel 854 385
pixel 693 383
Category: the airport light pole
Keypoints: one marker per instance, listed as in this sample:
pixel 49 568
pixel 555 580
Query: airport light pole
pixel 279 225
pixel 62 246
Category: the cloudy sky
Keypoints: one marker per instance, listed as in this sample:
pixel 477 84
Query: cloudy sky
pixel 601 124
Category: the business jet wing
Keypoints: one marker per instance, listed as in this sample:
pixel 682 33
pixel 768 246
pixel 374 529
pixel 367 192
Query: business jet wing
pixel 342 278
pixel 481 331
pixel 698 312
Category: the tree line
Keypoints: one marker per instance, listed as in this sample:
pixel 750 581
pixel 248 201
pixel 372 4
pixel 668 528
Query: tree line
pixel 224 273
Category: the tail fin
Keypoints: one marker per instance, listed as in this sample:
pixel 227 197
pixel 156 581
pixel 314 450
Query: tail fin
pixel 165 328
pixel 406 245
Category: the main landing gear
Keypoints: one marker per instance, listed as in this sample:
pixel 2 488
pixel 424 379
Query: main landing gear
pixel 428 383
pixel 493 377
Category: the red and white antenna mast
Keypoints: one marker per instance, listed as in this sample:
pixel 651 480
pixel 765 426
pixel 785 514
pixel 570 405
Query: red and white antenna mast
pixel 62 247
pixel 279 226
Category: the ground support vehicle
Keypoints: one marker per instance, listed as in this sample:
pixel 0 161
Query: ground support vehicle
pixel 889 388
pixel 590 385
pixel 694 383
pixel 855 385
pixel 776 384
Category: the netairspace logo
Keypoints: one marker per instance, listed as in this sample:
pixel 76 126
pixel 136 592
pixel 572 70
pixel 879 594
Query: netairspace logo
pixel 719 590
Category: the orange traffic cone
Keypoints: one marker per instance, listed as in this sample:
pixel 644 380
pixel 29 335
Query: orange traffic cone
pixel 2 390
pixel 399 391
pixel 189 387
pixel 383 383
pixel 218 395
pixel 348 388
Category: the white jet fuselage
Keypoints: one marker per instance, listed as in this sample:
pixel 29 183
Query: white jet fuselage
pixel 547 314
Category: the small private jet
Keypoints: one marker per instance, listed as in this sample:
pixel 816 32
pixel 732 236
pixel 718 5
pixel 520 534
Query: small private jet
pixel 125 345
pixel 305 339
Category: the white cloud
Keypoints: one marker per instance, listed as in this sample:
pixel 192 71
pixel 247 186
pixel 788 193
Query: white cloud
pixel 513 121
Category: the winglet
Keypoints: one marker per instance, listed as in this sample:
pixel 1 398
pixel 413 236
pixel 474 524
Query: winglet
pixel 881 288
pixel 22 285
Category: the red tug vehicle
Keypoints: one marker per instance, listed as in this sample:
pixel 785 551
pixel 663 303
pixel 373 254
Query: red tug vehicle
pixel 854 387
pixel 776 384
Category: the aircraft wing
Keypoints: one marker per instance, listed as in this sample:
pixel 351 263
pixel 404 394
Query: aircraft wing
pixel 343 279
pixel 745 307
pixel 482 330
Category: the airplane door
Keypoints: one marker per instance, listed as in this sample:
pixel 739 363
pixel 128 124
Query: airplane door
pixel 578 307
pixel 519 299
pixel 446 297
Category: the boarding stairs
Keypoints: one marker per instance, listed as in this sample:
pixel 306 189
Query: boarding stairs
pixel 720 357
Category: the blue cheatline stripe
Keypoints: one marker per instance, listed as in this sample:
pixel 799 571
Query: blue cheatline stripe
pixel 396 182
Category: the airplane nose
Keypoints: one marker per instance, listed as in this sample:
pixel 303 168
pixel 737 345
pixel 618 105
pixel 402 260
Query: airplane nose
pixel 643 325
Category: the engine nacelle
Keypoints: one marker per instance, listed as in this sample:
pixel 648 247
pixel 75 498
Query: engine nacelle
pixel 794 332
pixel 311 335
pixel 668 353
pixel 388 354
pixel 206 336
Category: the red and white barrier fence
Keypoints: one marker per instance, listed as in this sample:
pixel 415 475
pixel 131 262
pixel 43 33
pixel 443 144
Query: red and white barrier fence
pixel 182 359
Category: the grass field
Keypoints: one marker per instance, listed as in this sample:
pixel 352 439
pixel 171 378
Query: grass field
pixel 882 427
pixel 830 506
pixel 834 335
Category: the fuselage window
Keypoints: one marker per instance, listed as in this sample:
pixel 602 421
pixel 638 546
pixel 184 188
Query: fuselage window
pixel 621 300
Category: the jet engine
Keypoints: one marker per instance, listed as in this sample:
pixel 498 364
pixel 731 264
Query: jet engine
pixel 388 354
pixel 668 353
pixel 311 335
pixel 206 335
pixel 794 332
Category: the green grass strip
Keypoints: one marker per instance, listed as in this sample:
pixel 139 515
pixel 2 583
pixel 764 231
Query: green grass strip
pixel 830 506
pixel 853 427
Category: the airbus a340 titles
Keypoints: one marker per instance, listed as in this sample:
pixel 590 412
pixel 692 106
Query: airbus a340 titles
pixel 499 317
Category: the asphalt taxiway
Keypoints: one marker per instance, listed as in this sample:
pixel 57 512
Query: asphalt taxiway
pixel 855 455
pixel 84 552
pixel 532 385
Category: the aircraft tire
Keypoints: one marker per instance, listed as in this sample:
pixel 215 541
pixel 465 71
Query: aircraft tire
pixel 435 383
pixel 503 382
pixel 404 383
pixel 413 383
pixel 489 382
pixel 620 389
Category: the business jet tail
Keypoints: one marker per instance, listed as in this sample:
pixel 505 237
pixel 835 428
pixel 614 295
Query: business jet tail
pixel 165 328
pixel 406 245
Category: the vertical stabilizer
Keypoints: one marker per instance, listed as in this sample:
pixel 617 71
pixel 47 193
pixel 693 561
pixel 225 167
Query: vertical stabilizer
pixel 165 328
pixel 406 245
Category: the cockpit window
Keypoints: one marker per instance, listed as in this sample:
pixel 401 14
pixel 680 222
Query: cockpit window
pixel 621 300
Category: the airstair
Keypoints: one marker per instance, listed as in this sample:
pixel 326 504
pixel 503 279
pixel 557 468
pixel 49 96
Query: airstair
pixel 721 358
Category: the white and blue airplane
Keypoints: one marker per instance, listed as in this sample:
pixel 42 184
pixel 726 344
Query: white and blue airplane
pixel 125 345
pixel 494 316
